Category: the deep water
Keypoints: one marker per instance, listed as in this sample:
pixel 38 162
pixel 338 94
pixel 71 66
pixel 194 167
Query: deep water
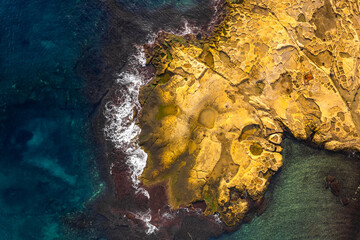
pixel 136 5
pixel 54 52
pixel 57 61
pixel 298 204
pixel 47 161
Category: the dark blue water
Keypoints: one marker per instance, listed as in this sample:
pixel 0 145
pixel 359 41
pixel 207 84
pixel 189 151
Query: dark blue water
pixel 51 54
pixel 56 60
pixel 137 5
pixel 47 161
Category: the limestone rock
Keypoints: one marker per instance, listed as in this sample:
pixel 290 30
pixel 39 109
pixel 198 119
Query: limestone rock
pixel 213 117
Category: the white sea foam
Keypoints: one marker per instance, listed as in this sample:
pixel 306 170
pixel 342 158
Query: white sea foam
pixel 143 192
pixel 216 10
pixel 217 218
pixel 151 38
pixel 216 7
pixel 111 167
pixel 146 218
pixel 187 28
pixel 120 126
pixel 168 216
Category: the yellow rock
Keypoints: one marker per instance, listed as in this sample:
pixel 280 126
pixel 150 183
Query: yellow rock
pixel 213 117
pixel 207 117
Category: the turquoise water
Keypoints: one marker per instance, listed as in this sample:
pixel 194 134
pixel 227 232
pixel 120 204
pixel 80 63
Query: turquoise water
pixel 51 54
pixel 299 206
pixel 48 158
pixel 47 161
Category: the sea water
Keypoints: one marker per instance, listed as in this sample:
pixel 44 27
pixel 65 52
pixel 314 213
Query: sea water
pixel 47 160
pixel 298 204
pixel 47 165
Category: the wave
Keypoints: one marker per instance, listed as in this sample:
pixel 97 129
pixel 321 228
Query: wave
pixel 120 114
pixel 120 126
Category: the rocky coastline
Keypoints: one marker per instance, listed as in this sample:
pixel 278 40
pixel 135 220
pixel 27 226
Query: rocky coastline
pixel 214 116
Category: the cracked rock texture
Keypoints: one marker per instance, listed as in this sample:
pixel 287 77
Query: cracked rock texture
pixel 213 117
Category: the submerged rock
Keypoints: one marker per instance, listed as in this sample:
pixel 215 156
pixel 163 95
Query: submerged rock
pixel 335 187
pixel 345 201
pixel 328 180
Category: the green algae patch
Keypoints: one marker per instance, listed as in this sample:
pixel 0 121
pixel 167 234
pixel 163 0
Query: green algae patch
pixel 166 111
pixel 169 56
pixel 211 205
pixel 256 149
pixel 165 77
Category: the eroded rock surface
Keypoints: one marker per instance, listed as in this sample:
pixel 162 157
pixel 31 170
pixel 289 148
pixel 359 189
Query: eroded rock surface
pixel 213 118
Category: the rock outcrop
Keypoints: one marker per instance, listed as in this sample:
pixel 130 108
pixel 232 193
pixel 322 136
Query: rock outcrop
pixel 213 118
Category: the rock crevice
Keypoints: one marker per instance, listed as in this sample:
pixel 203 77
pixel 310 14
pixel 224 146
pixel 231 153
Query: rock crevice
pixel 214 115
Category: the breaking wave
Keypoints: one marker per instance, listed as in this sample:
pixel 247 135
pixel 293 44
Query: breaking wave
pixel 121 127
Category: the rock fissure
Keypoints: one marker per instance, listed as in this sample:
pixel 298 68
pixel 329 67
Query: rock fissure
pixel 222 104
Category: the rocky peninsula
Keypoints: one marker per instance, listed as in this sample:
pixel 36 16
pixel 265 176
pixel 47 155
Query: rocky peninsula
pixel 214 116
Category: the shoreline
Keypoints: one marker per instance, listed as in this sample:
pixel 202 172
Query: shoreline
pixel 119 173
pixel 116 175
pixel 156 55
